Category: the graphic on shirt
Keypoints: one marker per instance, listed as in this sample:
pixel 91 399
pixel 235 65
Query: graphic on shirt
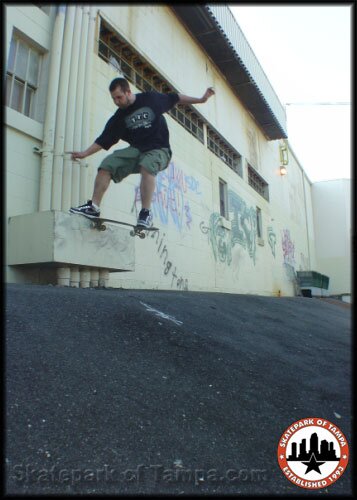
pixel 140 118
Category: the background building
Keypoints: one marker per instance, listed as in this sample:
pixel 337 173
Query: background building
pixel 229 220
pixel 332 216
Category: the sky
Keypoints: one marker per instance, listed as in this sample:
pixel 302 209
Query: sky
pixel 305 51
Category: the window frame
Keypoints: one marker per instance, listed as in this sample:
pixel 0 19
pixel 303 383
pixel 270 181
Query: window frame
pixel 257 182
pixel 218 146
pixel 223 198
pixel 13 78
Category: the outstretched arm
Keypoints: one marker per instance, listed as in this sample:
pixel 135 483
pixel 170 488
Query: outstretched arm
pixel 185 99
pixel 94 148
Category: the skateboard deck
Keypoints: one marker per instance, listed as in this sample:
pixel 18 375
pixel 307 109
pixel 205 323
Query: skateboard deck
pixel 99 223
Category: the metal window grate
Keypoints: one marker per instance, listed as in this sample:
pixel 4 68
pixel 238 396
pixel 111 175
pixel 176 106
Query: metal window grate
pixel 258 183
pixel 224 151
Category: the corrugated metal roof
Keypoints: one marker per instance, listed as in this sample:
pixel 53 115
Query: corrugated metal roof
pixel 217 31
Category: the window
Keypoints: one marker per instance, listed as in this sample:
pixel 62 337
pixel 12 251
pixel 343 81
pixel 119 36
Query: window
pixel 258 183
pixel 188 119
pixel 22 77
pixel 259 223
pixel 223 199
pixel 227 154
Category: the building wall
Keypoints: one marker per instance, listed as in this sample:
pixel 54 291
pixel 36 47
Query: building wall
pixel 332 214
pixel 24 133
pixel 196 249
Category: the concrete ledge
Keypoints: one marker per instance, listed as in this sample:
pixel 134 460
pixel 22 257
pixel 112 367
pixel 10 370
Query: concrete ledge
pixel 53 238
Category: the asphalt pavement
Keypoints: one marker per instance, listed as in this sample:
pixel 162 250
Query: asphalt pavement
pixel 124 392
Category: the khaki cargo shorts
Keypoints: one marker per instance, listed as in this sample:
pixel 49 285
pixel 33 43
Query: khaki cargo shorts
pixel 124 162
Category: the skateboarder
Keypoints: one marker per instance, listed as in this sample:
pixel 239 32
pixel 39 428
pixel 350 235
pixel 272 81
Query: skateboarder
pixel 140 122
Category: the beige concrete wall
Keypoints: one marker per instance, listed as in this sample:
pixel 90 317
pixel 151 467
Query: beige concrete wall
pixel 23 133
pixel 192 251
pixel 332 214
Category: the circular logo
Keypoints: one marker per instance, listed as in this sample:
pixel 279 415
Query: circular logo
pixel 313 453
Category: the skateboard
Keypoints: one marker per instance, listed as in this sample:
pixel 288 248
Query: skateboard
pixel 99 223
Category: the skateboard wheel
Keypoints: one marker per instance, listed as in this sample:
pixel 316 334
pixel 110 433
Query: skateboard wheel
pixel 132 233
pixel 103 227
pixel 141 235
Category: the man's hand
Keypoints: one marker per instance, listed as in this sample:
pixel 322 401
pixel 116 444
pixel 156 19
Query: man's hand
pixel 77 154
pixel 185 99
pixel 209 93
pixel 94 148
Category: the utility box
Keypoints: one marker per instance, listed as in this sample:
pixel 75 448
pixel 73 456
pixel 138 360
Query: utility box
pixel 55 238
pixel 313 284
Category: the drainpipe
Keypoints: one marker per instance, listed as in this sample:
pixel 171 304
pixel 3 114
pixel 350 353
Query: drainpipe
pixel 83 182
pixel 81 32
pixel 103 278
pixel 83 188
pixel 306 218
pixel 85 277
pixel 94 278
pixel 72 97
pixel 63 276
pixel 74 277
pixel 79 118
pixel 61 111
pixel 69 165
pixel 51 107
pixel 92 46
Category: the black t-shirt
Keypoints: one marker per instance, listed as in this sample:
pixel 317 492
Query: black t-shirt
pixel 141 124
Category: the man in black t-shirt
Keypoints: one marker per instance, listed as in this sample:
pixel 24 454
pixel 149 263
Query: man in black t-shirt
pixel 140 122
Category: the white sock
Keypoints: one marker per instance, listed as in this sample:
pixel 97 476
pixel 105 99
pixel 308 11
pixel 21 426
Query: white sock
pixel 95 206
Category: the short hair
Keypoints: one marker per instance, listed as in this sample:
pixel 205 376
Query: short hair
pixel 119 82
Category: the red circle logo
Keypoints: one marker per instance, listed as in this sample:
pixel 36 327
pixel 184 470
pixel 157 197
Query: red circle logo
pixel 313 453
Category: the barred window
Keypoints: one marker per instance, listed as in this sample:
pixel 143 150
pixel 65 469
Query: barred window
pixel 259 222
pixel 22 77
pixel 258 183
pixel 188 119
pixel 223 198
pixel 226 153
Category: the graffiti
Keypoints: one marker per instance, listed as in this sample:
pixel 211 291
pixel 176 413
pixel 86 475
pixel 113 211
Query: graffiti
pixel 169 268
pixel 289 260
pixel 244 224
pixel 219 238
pixel 243 232
pixel 169 202
pixel 290 271
pixel 288 248
pixel 271 239
pixel 292 277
